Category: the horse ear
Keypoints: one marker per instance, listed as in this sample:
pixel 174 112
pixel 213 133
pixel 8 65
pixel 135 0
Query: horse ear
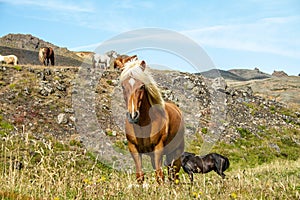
pixel 143 65
pixel 134 57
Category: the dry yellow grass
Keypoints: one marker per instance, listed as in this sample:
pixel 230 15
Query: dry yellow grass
pixel 52 170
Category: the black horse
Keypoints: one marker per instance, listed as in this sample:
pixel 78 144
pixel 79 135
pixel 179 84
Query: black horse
pixel 203 164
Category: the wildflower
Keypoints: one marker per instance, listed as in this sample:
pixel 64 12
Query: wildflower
pixel 233 195
pixel 197 195
pixel 102 179
pixel 87 181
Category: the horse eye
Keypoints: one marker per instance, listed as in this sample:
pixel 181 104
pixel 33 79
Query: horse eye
pixel 142 87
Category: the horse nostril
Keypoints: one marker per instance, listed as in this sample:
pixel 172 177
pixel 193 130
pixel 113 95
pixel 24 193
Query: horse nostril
pixel 136 115
pixel 133 117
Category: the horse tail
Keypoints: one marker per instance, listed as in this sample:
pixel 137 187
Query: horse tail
pixel 16 60
pixel 51 56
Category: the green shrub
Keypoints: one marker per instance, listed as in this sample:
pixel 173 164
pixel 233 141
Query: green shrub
pixel 204 130
pixel 243 132
pixel 5 127
pixel 18 68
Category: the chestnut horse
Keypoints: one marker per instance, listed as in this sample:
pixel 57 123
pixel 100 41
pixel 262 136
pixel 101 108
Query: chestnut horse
pixel 46 54
pixel 153 127
pixel 121 60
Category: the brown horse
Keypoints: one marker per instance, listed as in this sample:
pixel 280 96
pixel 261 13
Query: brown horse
pixel 121 60
pixel 46 54
pixel 153 127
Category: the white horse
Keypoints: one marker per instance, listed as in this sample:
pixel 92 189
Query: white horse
pixel 10 59
pixel 103 61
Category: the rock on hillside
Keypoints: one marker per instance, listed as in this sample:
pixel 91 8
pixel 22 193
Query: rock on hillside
pixel 84 54
pixel 26 47
pixel 279 74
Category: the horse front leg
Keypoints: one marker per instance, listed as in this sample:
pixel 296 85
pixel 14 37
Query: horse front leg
pixel 174 170
pixel 158 155
pixel 174 164
pixel 137 157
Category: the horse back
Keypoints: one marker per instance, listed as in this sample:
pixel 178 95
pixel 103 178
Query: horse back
pixel 10 59
pixel 174 115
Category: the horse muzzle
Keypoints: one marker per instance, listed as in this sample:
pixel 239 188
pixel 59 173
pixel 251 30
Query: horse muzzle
pixel 134 117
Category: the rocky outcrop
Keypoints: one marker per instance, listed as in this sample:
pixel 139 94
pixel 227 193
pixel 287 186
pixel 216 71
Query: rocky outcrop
pixel 279 74
pixel 24 41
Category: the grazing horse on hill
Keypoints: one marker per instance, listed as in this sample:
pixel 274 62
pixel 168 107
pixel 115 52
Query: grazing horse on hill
pixel 10 59
pixel 153 127
pixel 103 60
pixel 203 164
pixel 46 54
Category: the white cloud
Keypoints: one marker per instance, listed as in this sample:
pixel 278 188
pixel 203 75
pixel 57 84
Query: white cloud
pixel 89 47
pixel 129 4
pixel 53 5
pixel 268 35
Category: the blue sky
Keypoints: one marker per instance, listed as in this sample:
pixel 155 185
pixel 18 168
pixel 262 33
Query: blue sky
pixel 234 34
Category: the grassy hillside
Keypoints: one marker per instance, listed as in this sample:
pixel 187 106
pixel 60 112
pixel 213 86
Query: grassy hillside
pixel 42 158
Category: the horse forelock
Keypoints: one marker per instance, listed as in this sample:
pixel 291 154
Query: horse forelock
pixel 133 69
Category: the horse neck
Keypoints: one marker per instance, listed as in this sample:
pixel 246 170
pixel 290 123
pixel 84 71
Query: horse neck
pixel 144 110
pixel 150 113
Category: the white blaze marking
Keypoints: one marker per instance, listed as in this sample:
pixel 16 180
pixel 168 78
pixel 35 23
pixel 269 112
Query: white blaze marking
pixel 131 82
pixel 132 111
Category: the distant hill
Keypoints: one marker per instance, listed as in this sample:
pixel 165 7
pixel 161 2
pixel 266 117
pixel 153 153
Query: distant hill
pixel 250 74
pixel 26 47
pixel 214 73
pixel 236 74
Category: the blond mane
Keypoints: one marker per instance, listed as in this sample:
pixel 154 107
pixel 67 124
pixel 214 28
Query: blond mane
pixel 133 69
